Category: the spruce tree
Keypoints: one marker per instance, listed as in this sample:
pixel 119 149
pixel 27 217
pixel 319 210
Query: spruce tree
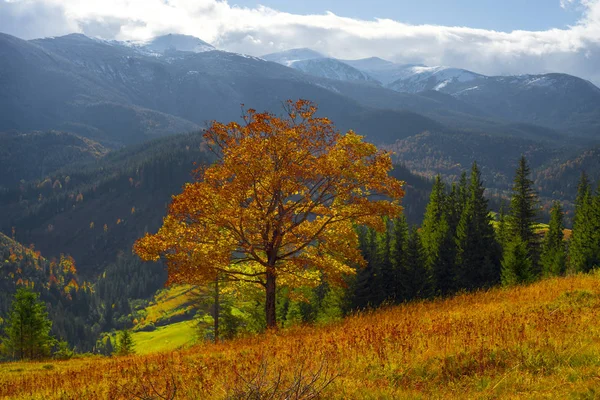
pixel 581 245
pixel 28 327
pixel 595 223
pixel 463 190
pixel 553 257
pixel 516 263
pixel 364 284
pixel 125 344
pixel 398 255
pixel 455 203
pixel 384 279
pixel 415 277
pixel 478 253
pixel 502 230
pixel 523 209
pixel 438 238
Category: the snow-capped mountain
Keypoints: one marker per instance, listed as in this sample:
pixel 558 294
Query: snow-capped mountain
pixel 384 71
pixel 117 92
pixel 331 68
pixel 316 64
pixel 288 57
pixel 174 42
pixel 414 79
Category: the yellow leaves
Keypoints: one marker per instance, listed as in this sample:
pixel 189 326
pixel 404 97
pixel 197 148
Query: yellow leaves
pixel 284 193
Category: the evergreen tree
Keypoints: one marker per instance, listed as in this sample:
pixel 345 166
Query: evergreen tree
pixel 478 252
pixel 438 238
pixel 108 348
pixel 454 207
pixel 365 283
pixel 384 277
pixel 28 327
pixel 125 345
pixel 332 306
pixel 595 223
pixel 523 209
pixel 398 255
pixel 516 263
pixel 502 234
pixel 553 257
pixel 463 191
pixel 415 277
pixel 581 246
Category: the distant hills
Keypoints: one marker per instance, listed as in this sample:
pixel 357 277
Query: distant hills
pixel 559 101
pixel 96 209
pixel 33 155
pixel 91 128
pixel 119 93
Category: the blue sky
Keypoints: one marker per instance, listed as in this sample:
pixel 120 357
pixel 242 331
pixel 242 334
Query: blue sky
pixel 503 15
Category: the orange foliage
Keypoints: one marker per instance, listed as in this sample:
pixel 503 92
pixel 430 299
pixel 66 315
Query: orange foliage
pixel 539 341
pixel 280 204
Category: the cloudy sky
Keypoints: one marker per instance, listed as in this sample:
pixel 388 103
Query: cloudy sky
pixel 486 36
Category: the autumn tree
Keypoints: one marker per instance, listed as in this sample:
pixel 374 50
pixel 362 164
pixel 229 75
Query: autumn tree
pixel 279 205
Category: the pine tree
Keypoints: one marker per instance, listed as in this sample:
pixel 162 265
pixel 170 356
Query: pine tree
pixel 581 246
pixel 365 289
pixel 125 345
pixel 454 207
pixel 595 223
pixel 384 274
pixel 398 255
pixel 438 238
pixel 553 257
pixel 478 253
pixel 463 192
pixel 502 230
pixel 523 209
pixel 28 327
pixel 516 263
pixel 415 277
pixel 332 306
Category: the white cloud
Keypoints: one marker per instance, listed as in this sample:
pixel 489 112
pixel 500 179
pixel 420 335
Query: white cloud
pixel 261 30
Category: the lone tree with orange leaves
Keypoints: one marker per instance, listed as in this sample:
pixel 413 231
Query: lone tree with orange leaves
pixel 279 205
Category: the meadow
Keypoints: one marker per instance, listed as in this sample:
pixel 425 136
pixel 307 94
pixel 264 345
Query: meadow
pixel 536 341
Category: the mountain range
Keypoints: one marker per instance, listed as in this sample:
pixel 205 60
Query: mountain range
pixel 96 136
pixel 118 93
pixel 70 103
pixel 553 100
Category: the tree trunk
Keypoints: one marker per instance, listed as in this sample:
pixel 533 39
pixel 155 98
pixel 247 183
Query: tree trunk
pixel 216 316
pixel 270 300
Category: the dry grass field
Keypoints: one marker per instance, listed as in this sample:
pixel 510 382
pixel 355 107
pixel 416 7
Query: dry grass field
pixel 537 341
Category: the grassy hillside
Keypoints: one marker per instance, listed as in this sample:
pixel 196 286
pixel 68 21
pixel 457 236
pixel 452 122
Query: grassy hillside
pixel 539 341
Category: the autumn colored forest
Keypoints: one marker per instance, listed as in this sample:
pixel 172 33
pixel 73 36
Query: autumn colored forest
pixel 301 263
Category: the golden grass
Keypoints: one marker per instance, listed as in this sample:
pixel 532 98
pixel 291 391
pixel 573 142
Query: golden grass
pixel 538 341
